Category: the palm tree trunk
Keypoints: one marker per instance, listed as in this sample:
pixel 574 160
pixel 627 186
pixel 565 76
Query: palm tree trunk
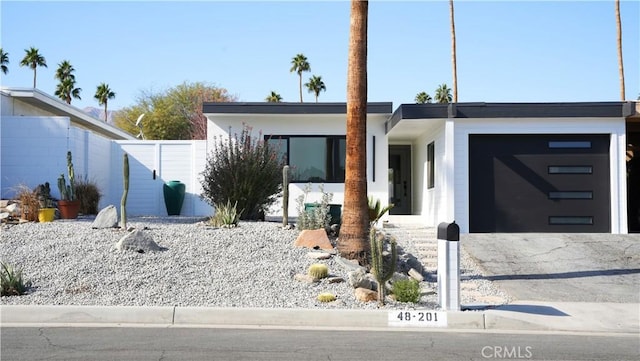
pixel 619 43
pixel 352 243
pixel 453 53
pixel 300 74
pixel 105 111
pixel 34 78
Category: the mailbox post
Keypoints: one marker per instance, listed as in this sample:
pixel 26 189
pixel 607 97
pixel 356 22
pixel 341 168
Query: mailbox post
pixel 449 266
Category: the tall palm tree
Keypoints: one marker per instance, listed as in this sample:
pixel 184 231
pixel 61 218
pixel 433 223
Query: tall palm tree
pixel 103 94
pixel 422 98
pixel 353 242
pixel 299 64
pixel 453 52
pixel 315 85
pixel 33 59
pixel 66 89
pixel 4 60
pixel 273 97
pixel 443 94
pixel 619 44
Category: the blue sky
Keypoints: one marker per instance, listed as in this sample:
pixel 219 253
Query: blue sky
pixel 507 51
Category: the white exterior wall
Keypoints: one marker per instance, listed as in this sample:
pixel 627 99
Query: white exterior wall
pixel 613 126
pixel 325 124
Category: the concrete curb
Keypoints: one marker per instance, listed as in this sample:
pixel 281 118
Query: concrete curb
pixel 528 316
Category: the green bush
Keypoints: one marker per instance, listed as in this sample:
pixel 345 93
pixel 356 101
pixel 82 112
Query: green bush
pixel 406 290
pixel 242 169
pixel 88 194
pixel 226 215
pixel 11 282
pixel 319 216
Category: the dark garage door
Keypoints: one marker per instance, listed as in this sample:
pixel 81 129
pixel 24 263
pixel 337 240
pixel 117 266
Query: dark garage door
pixel 539 183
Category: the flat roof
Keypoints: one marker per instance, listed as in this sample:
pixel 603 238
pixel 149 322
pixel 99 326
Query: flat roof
pixel 290 108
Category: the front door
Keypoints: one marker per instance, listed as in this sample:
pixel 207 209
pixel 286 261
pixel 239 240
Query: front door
pixel 400 179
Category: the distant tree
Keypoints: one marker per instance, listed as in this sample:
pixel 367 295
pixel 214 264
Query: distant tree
pixel 103 94
pixel 66 89
pixel 443 94
pixel 453 52
pixel 619 45
pixel 273 97
pixel 315 85
pixel 33 59
pixel 175 113
pixel 4 60
pixel 299 64
pixel 422 98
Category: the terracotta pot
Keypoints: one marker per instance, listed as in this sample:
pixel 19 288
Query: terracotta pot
pixel 69 209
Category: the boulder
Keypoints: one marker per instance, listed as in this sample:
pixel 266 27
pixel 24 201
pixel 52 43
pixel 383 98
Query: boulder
pixel 360 279
pixel 413 273
pixel 107 218
pixel 315 239
pixel 138 241
pixel 366 295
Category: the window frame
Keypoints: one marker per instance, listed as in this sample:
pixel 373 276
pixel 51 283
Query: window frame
pixel 431 165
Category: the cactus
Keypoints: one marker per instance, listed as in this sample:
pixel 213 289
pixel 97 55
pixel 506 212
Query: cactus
pixel 285 196
pixel 382 267
pixel 125 192
pixel 68 192
pixel 318 271
pixel 326 297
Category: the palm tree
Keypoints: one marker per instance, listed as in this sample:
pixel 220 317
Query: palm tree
pixel 300 64
pixel 103 94
pixel 443 94
pixel 66 89
pixel 353 242
pixel 273 97
pixel 619 43
pixel 453 53
pixel 422 98
pixel 4 60
pixel 33 59
pixel 315 85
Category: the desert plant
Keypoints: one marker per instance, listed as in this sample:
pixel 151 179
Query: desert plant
pixel 245 169
pixel 125 191
pixel 11 281
pixel 318 271
pixel 406 290
pixel 68 191
pixel 88 194
pixel 376 211
pixel 29 203
pixel 285 196
pixel 383 262
pixel 317 217
pixel 226 215
pixel 326 297
pixel 43 192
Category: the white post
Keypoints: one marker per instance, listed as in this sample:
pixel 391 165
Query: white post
pixel 448 269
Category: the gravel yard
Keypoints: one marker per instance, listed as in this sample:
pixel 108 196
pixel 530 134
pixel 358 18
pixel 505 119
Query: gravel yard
pixel 253 265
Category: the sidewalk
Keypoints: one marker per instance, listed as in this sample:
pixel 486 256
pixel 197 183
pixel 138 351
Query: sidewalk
pixel 529 316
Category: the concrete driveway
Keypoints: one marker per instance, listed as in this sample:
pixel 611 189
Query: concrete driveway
pixel 560 267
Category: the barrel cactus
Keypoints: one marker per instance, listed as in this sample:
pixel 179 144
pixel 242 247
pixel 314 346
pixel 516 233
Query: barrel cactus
pixel 318 271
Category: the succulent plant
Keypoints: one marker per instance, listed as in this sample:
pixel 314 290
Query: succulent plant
pixel 318 271
pixel 382 265
pixel 326 297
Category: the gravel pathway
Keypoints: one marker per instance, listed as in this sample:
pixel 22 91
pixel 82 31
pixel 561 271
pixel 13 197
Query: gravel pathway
pixel 253 265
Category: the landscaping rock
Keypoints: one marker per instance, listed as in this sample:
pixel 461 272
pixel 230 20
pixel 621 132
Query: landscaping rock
pixel 349 264
pixel 319 255
pixel 107 218
pixel 359 279
pixel 305 278
pixel 138 241
pixel 365 295
pixel 416 275
pixel 335 279
pixel 315 239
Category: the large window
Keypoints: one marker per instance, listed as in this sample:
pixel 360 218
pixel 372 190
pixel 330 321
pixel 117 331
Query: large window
pixel 317 159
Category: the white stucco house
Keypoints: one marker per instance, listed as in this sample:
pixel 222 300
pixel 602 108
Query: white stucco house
pixel 491 167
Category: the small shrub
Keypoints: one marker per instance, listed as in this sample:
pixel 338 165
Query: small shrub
pixel 29 203
pixel 243 169
pixel 88 193
pixel 326 297
pixel 407 290
pixel 318 271
pixel 226 215
pixel 11 282
pixel 319 216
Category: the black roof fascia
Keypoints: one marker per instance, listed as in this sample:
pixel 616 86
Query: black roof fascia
pixel 290 108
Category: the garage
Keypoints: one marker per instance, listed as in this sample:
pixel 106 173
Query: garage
pixel 539 183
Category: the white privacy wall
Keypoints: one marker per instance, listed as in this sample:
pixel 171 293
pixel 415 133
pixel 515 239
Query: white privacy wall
pixel 613 126
pixel 317 124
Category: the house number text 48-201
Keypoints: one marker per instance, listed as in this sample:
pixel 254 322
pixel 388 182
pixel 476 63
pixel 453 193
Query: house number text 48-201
pixel 418 318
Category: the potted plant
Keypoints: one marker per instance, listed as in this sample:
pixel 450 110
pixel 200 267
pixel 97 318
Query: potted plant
pixel 47 212
pixel 68 204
